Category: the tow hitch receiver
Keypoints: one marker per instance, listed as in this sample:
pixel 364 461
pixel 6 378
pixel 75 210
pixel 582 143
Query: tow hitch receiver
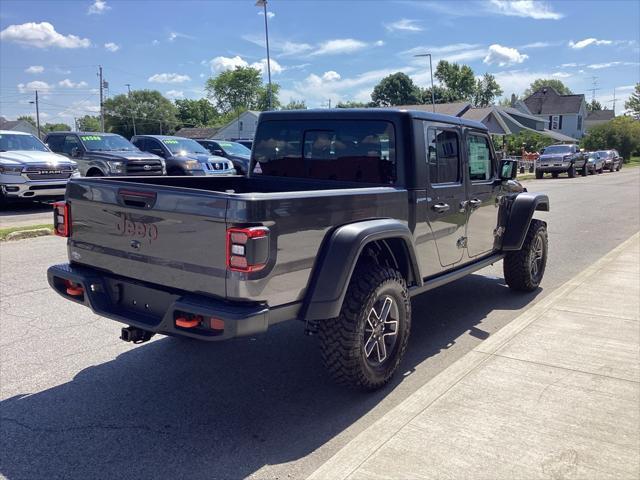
pixel 135 335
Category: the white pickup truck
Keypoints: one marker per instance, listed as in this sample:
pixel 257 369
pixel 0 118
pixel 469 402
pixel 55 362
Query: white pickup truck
pixel 29 170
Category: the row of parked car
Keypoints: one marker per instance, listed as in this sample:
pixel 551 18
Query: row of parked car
pixel 31 169
pixel 569 159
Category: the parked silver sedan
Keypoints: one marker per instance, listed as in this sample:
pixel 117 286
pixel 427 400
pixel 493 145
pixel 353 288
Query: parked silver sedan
pixel 595 163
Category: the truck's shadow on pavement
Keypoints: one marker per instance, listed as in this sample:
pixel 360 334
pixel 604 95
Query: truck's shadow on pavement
pixel 183 409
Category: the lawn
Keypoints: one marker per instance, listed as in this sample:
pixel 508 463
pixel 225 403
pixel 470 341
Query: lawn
pixel 634 162
pixel 6 231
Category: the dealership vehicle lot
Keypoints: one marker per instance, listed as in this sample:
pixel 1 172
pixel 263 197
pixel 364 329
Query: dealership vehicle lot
pixel 76 401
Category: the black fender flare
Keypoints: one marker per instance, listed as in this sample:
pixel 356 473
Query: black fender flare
pixel 337 261
pixel 519 219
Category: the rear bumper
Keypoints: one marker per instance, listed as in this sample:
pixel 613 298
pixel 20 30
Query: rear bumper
pixel 156 309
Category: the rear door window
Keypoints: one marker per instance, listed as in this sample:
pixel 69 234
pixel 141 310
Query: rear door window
pixel 443 155
pixel 343 150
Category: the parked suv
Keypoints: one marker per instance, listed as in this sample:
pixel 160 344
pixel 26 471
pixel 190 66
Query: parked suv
pixel 234 151
pixel 595 162
pixel 29 170
pixel 612 159
pixel 104 154
pixel 183 155
pixel 557 159
pixel 344 216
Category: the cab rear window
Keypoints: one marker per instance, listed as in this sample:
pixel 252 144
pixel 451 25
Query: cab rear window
pixel 342 150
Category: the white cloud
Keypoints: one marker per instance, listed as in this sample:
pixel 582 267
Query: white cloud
pixel 269 14
pixel 174 35
pixel 220 64
pixel 457 52
pixel 168 78
pixel 342 46
pixel 175 94
pixel 112 47
pixel 561 75
pixel 569 65
pixel 536 45
pixel 524 8
pixel 503 55
pixel 155 42
pixel 35 69
pixel 66 83
pixel 404 25
pixel 42 87
pixel 588 41
pixel 517 81
pixel 98 8
pixel 599 66
pixel 330 76
pixel 41 35
pixel 276 68
pixel 318 89
pixel 292 48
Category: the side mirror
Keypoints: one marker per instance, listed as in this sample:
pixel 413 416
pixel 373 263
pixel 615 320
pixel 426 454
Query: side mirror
pixel 75 152
pixel 218 152
pixel 508 169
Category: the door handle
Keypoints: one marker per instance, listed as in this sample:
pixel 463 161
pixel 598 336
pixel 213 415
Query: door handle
pixel 440 207
pixel 475 203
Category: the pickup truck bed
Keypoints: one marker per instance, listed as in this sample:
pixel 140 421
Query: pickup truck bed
pixel 169 234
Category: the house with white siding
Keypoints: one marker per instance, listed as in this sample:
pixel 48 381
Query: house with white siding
pixel 565 114
pixel 243 126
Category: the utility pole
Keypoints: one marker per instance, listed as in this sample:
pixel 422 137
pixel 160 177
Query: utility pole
pixel 594 82
pixel 37 114
pixel 133 118
pixel 614 102
pixel 101 99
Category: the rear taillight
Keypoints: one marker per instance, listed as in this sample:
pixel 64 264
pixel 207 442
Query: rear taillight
pixel 62 219
pixel 247 248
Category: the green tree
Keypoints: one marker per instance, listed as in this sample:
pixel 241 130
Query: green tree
pixel 28 118
pixel 240 89
pixel 441 95
pixel 487 89
pixel 295 105
pixel 353 104
pixel 396 89
pixel 621 133
pixel 594 106
pixel 633 103
pixel 56 127
pixel 89 123
pixel 556 84
pixel 154 114
pixel 263 98
pixel 459 80
pixel 196 113
pixel 531 141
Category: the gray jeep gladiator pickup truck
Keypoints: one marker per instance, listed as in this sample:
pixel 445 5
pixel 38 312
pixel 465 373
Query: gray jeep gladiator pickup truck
pixel 344 216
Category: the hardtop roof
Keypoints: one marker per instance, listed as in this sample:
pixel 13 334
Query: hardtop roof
pixel 388 114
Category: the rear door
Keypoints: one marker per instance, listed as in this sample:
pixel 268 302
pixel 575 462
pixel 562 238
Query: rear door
pixel 482 187
pixel 446 194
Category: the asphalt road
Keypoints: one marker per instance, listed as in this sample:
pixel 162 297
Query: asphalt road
pixel 24 214
pixel 76 402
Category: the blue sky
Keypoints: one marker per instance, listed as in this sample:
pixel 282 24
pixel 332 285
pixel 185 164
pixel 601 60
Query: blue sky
pixel 320 50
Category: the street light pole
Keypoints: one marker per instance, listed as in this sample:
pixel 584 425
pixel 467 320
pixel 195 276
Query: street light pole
pixel 433 96
pixel 263 4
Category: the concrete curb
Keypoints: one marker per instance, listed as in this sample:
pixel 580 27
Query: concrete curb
pixel 36 232
pixel 358 450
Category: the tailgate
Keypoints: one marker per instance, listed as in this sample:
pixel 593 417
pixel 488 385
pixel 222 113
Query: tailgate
pixel 168 236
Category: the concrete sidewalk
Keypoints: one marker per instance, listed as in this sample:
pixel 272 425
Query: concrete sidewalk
pixel 554 394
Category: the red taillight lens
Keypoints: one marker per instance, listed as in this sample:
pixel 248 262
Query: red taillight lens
pixel 247 248
pixel 62 219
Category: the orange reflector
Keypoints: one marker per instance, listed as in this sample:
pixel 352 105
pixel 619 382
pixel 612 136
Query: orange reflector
pixel 217 324
pixel 187 323
pixel 73 290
